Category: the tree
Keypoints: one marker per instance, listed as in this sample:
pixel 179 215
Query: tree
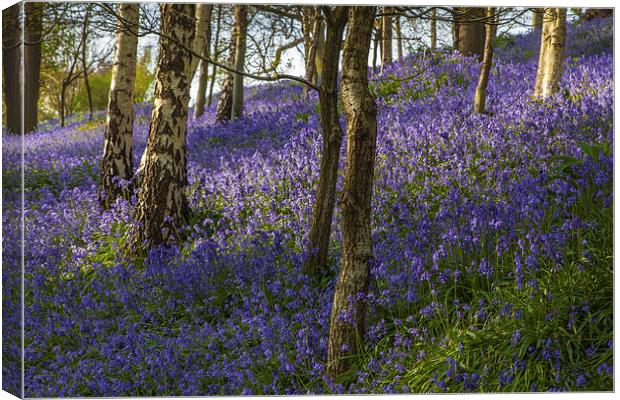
pixel 162 206
pixel 487 62
pixel 537 18
pixel 11 63
pixel 85 34
pixel 348 310
pixel 216 53
pixel 202 37
pixel 434 29
pixel 241 28
pixel 224 104
pixel 32 63
pixel 323 208
pixel 551 56
pixel 117 160
pixel 203 72
pixel 468 30
pixel 399 38
pixel 386 33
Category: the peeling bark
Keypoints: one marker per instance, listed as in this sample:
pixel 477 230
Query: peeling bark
pixel 117 160
pixel 346 327
pixel 162 205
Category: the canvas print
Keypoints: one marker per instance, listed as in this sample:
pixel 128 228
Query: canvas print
pixel 264 199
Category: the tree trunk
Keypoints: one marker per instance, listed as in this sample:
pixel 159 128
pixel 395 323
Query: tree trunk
pixel 11 64
pixel 162 206
pixel 320 49
pixel 386 31
pixel 537 18
pixel 551 56
pixel 215 53
pixel 203 72
pixel 375 48
pixel 312 25
pixel 203 34
pixel 346 327
pixel 434 29
pixel 487 62
pixel 32 63
pixel 117 160
pixel 85 64
pixel 399 39
pixel 323 208
pixel 470 31
pixel 224 104
pixel 242 26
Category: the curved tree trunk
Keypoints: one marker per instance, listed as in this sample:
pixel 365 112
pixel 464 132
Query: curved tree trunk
pixel 162 206
pixel 551 56
pixel 347 318
pixel 203 72
pixel 11 64
pixel 323 208
pixel 117 160
pixel 487 62
pixel 241 21
pixel 32 63
pixel 469 30
pixel 386 32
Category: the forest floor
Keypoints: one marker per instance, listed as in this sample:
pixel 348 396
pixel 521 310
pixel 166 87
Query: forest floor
pixel 492 238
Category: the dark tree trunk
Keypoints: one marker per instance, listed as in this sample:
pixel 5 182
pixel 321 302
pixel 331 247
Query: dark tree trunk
pixel 241 20
pixel 346 327
pixel 162 206
pixel 469 30
pixel 323 208
pixel 11 64
pixel 117 160
pixel 487 62
pixel 203 72
pixel 85 65
pixel 215 54
pixel 537 18
pixel 32 63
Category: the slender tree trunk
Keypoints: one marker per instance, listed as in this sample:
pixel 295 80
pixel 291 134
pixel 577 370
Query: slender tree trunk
pixel 311 24
pixel 470 31
pixel 215 53
pixel 11 64
pixel 63 101
pixel 323 208
pixel 399 39
pixel 375 50
pixel 487 62
pixel 346 327
pixel 386 31
pixel 32 63
pixel 117 160
pixel 162 206
pixel 201 39
pixel 551 53
pixel 320 49
pixel 224 104
pixel 203 72
pixel 241 21
pixel 85 65
pixel 434 29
